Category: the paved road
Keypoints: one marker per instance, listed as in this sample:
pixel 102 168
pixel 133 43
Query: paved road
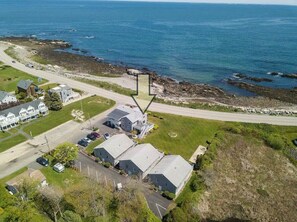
pixel 97 172
pixel 27 152
pixel 122 99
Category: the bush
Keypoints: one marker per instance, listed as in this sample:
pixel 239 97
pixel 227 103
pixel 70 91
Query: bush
pixel 106 164
pixel 177 214
pixel 156 127
pixel 275 141
pixel 1 210
pixel 196 183
pixel 168 195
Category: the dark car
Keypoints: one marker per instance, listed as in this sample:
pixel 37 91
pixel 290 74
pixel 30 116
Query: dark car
pixel 83 143
pixel 91 137
pixel 295 142
pixel 11 189
pixel 42 161
pixel 96 134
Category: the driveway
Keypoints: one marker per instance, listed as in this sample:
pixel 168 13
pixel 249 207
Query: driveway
pixel 90 168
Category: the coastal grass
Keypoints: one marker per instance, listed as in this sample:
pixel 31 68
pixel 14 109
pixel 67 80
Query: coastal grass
pixel 108 86
pixel 10 52
pixel 39 59
pixel 6 144
pixel 9 78
pixel 91 106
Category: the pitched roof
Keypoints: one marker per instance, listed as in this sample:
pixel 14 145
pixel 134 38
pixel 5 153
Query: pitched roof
pixel 116 145
pixel 24 84
pixel 3 95
pixel 174 168
pixel 143 156
pixel 122 111
pixel 134 117
pixel 16 109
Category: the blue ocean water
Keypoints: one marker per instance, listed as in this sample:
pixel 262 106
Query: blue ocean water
pixel 195 42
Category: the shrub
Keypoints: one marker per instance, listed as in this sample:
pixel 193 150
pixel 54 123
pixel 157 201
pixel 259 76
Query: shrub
pixel 1 210
pixel 275 141
pixel 196 183
pixel 168 195
pixel 106 164
pixel 156 127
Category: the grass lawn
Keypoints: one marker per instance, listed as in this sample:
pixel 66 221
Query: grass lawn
pixel 91 147
pixel 4 135
pixel 49 86
pixel 92 106
pixel 7 178
pixel 190 133
pixel 39 59
pixel 9 78
pixel 6 144
pixel 62 180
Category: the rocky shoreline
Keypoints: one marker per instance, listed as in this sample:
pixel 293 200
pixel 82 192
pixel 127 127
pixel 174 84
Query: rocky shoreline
pixel 55 52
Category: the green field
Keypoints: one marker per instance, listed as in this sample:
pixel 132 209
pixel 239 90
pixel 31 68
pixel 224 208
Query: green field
pixel 6 144
pixel 91 106
pixel 91 147
pixel 190 133
pixel 9 78
pixel 48 86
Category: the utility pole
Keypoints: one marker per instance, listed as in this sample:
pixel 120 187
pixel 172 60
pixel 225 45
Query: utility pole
pixel 46 140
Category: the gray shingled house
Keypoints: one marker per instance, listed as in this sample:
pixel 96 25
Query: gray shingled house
pixel 28 87
pixel 111 149
pixel 64 91
pixel 11 117
pixel 171 174
pixel 140 159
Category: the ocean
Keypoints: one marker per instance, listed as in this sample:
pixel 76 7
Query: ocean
pixel 203 43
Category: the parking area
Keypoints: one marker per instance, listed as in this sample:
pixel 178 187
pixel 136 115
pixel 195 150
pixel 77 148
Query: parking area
pixel 99 173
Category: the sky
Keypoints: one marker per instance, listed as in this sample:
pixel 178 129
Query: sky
pixel 277 2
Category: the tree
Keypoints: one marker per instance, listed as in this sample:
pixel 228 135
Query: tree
pixel 65 153
pixel 50 201
pixel 70 216
pixel 47 100
pixel 56 103
pixel 22 95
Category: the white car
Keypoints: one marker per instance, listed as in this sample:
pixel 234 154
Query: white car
pixel 59 167
pixel 87 140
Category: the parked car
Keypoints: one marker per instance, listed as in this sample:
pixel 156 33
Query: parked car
pixel 11 189
pixel 59 167
pixel 13 61
pixel 42 161
pixel 87 140
pixel 96 134
pixel 91 137
pixel 295 142
pixel 106 136
pixel 83 143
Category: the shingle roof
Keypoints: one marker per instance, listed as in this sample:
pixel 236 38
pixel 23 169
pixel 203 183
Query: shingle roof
pixel 3 95
pixel 16 109
pixel 174 168
pixel 122 111
pixel 24 84
pixel 116 145
pixel 143 156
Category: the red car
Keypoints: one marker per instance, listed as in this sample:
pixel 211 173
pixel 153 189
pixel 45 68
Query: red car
pixel 97 135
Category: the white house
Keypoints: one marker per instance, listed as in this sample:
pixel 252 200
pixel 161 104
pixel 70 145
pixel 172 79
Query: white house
pixel 65 92
pixel 11 117
pixel 110 150
pixel 140 159
pixel 171 174
pixel 7 98
pixel 128 118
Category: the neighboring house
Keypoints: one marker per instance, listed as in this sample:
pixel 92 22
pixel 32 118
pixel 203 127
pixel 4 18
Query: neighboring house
pixel 127 118
pixel 11 117
pixel 30 175
pixel 65 92
pixel 140 159
pixel 7 98
pixel 111 149
pixel 28 87
pixel 171 174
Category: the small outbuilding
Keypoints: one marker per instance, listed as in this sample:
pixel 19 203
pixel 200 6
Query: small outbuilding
pixel 171 174
pixel 28 87
pixel 110 150
pixel 140 159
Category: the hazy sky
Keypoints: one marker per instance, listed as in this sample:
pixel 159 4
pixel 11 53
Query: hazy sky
pixel 279 2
